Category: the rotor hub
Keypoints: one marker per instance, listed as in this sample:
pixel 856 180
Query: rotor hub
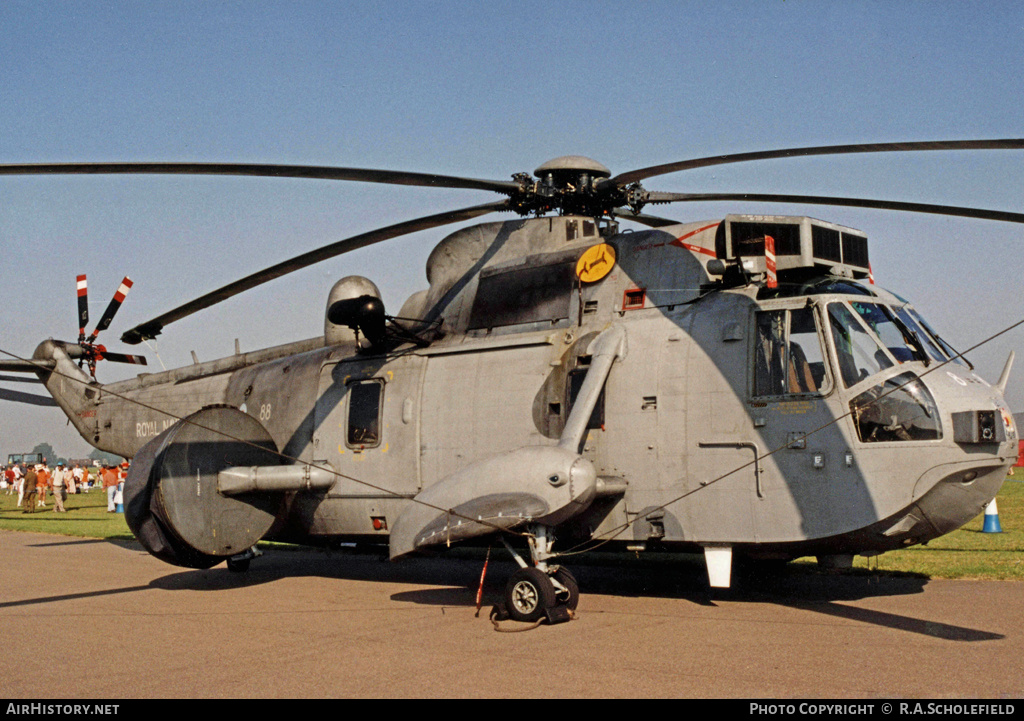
pixel 572 166
pixel 570 184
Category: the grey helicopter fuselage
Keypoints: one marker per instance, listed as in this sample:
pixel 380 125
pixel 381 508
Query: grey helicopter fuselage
pixel 820 418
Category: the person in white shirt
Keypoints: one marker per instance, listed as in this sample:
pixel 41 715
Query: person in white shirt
pixel 80 481
pixel 19 481
pixel 59 481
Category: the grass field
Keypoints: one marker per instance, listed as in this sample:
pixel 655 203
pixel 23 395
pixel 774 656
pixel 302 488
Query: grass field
pixel 967 553
pixel 86 516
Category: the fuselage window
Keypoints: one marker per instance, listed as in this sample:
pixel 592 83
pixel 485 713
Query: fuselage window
pixel 523 295
pixel 789 359
pixel 365 399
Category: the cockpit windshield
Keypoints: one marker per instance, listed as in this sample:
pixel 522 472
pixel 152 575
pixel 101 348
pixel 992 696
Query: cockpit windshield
pixel 920 334
pixel 896 333
pixel 899 408
pixel 902 341
pixel 946 350
pixel 870 337
pixel 860 355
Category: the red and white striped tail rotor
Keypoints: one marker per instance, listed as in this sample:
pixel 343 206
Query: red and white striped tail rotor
pixel 83 306
pixel 112 307
pixel 93 352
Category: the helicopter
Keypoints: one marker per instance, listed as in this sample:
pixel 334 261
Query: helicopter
pixel 736 387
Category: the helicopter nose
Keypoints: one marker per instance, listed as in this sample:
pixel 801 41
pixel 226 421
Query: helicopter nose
pixel 956 496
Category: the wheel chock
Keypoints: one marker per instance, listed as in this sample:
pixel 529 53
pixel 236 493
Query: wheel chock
pixel 499 612
pixel 557 614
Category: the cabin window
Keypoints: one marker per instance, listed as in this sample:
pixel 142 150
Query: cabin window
pixel 523 295
pixel 789 359
pixel 365 400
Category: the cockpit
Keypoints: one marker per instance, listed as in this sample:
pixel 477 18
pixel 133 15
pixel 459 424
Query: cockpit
pixel 844 335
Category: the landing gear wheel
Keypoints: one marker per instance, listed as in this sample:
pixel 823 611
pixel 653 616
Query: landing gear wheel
pixel 528 595
pixel 571 598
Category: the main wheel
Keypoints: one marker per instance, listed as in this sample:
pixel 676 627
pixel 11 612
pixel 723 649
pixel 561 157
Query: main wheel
pixel 528 594
pixel 571 599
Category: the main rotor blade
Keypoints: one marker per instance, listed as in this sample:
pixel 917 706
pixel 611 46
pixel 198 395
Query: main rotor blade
pixel 26 366
pixel 852 202
pixel 150 329
pixel 19 379
pixel 30 398
pixel 634 176
pixel 651 221
pixel 315 172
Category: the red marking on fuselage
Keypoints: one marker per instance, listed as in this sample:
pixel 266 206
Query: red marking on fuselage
pixel 681 241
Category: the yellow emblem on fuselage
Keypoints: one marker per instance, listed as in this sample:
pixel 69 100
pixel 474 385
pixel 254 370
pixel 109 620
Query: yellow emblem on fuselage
pixel 595 263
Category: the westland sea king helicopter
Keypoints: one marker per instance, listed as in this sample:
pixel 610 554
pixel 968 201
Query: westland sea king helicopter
pixel 736 386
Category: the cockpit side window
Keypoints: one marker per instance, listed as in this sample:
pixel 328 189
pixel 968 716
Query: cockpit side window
pixel 900 409
pixel 859 354
pixel 788 358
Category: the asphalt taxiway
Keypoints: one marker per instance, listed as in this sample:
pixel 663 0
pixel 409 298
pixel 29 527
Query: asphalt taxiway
pixel 91 619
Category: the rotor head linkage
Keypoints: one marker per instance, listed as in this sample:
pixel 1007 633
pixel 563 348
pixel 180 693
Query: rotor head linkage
pixel 571 185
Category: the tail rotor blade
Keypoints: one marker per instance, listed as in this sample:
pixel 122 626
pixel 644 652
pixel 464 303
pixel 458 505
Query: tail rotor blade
pixel 124 358
pixel 115 303
pixel 83 307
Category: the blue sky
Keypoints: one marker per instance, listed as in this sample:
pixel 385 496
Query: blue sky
pixel 480 90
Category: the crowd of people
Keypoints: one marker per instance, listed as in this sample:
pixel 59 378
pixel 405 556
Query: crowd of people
pixel 33 482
